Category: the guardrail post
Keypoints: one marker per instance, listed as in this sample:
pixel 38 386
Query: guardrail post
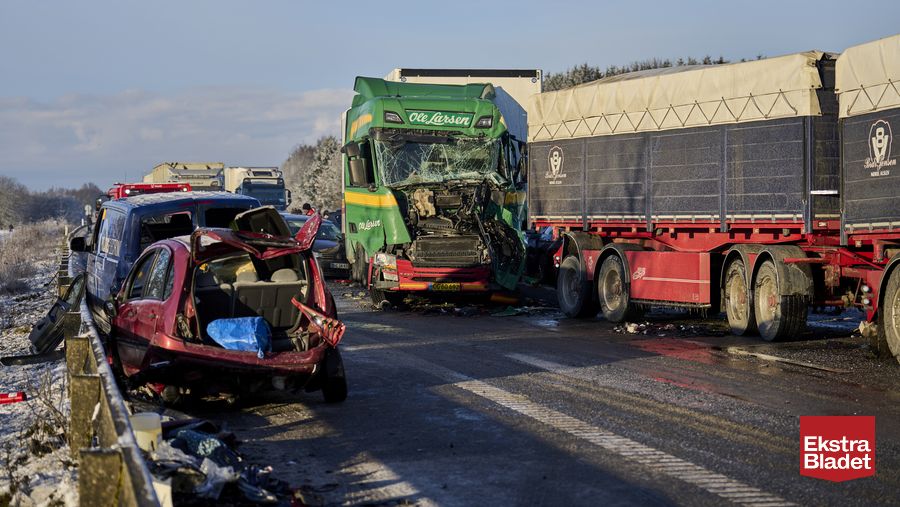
pixel 78 352
pixel 99 477
pixel 85 396
pixel 71 325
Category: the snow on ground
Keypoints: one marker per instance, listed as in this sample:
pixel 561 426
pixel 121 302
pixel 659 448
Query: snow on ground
pixel 35 467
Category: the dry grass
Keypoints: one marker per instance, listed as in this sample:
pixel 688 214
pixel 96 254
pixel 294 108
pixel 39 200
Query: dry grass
pixel 24 249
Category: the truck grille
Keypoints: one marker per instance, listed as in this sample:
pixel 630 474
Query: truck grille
pixel 449 251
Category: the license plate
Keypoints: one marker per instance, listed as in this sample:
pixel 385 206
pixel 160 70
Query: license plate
pixel 340 265
pixel 444 286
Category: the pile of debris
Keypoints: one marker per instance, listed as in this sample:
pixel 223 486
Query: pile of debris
pixel 194 462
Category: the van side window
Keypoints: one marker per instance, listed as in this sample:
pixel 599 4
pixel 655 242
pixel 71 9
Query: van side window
pixel 165 226
pixel 156 281
pixel 141 273
pixel 109 239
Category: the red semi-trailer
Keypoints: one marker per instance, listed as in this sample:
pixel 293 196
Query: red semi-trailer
pixel 713 188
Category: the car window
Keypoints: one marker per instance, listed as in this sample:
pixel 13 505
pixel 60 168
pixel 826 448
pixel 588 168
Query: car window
pixel 140 274
pixel 295 224
pixel 328 231
pixel 156 281
pixel 170 281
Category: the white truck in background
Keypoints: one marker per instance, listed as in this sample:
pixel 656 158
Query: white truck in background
pixel 200 175
pixel 266 184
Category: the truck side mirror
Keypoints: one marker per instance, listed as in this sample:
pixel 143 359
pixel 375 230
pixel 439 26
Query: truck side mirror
pixel 78 244
pixel 359 173
pixel 351 149
pixel 287 198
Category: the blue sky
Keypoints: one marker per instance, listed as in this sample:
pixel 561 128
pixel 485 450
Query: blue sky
pixel 103 90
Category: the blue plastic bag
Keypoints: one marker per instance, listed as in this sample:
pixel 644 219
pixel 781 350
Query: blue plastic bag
pixel 249 334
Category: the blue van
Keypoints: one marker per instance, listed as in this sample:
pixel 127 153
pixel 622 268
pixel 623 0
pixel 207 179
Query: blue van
pixel 125 227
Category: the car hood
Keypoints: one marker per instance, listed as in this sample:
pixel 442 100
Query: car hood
pixel 208 243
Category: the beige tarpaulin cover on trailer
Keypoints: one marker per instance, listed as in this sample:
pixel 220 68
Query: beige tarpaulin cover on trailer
pixel 868 77
pixel 679 97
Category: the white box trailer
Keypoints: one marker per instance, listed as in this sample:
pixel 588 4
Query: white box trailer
pixel 513 88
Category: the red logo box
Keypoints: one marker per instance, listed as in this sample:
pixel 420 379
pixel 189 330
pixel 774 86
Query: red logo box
pixel 837 448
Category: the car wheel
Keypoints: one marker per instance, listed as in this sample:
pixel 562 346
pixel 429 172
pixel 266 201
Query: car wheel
pixel 334 381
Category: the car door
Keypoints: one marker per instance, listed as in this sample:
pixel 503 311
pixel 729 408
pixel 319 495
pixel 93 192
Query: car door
pixel 156 293
pixel 131 324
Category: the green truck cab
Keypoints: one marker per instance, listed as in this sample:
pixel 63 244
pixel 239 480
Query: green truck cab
pixel 434 189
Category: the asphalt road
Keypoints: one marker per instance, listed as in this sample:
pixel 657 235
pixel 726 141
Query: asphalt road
pixel 466 408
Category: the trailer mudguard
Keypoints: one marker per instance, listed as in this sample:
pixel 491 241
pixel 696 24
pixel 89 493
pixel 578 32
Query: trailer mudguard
pixel 794 279
pixel 618 249
pixel 576 242
pixel 747 254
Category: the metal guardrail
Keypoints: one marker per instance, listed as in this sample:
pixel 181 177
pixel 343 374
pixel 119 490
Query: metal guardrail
pixel 111 469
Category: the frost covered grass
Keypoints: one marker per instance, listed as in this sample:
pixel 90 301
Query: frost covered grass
pixel 25 251
pixel 35 468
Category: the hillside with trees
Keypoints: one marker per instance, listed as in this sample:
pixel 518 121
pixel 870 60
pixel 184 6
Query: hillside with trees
pixel 313 174
pixel 585 73
pixel 18 205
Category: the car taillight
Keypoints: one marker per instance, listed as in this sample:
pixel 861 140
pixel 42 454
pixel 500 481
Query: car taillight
pixel 332 330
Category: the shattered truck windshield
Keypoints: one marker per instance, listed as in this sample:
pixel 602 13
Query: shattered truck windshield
pixel 406 162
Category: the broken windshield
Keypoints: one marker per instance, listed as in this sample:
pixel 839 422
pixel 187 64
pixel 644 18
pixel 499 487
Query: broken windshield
pixel 405 162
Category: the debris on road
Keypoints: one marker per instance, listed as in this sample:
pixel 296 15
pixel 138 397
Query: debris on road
pixel 197 460
pixel 669 329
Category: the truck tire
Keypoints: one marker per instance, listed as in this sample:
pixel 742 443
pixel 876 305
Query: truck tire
pixel 573 290
pixel 395 299
pixel 777 316
pixel 334 381
pixel 738 303
pixel 889 318
pixel 359 269
pixel 612 292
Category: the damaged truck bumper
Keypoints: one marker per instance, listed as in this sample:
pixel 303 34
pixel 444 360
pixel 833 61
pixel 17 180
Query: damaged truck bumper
pixel 409 278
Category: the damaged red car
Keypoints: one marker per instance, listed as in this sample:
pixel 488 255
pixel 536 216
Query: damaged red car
pixel 229 311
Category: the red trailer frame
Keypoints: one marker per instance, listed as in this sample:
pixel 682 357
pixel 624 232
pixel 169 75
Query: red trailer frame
pixel 694 264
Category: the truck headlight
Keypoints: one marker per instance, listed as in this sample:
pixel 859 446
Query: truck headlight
pixel 392 117
pixel 386 261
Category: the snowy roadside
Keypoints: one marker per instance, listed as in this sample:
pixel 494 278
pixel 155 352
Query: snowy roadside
pixel 35 467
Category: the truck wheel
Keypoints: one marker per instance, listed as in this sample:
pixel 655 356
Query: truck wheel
pixel 359 269
pixel 777 317
pixel 334 382
pixel 395 299
pixel 738 304
pixel 889 317
pixel 612 292
pixel 573 289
